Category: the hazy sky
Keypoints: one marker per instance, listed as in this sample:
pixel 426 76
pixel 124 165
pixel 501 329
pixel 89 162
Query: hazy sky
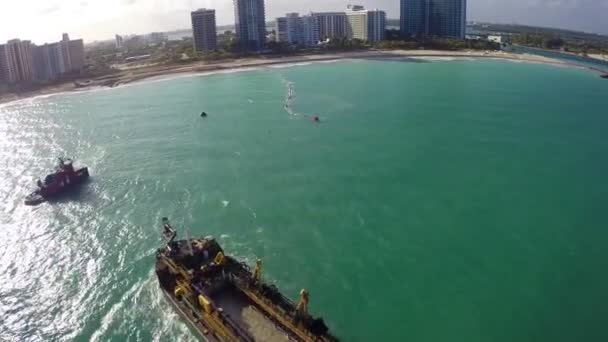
pixel 45 20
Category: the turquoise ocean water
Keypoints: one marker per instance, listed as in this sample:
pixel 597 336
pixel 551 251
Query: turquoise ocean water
pixel 436 201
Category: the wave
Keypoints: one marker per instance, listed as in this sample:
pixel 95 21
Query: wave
pixel 118 306
pixel 440 58
pixel 162 78
pixel 289 65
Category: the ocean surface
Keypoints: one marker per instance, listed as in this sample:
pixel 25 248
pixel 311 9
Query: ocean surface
pixel 437 200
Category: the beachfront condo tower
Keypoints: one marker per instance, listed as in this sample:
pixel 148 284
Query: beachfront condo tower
pixel 332 25
pixel 203 30
pixel 18 59
pixel 362 24
pixel 250 23
pixel 441 18
pixel 294 29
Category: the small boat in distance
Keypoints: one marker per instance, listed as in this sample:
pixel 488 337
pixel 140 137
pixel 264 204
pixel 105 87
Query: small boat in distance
pixel 222 300
pixel 203 115
pixel 604 76
pixel 64 178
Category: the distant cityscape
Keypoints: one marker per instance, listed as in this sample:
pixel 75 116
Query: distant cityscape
pixel 439 18
pixel 24 64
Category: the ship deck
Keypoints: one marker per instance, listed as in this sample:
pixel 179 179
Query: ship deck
pixel 218 301
pixel 238 308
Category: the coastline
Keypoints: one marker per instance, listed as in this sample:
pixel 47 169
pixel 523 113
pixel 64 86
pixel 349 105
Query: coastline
pixel 163 71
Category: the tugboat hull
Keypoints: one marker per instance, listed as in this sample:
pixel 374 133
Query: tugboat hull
pixel 34 199
pixel 41 195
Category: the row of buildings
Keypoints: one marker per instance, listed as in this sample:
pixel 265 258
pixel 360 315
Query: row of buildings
pixel 441 18
pixel 24 62
pixel 250 26
pixel 355 23
pixel 136 41
pixel 308 30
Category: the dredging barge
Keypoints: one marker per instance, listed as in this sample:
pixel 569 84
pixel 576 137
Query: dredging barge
pixel 222 300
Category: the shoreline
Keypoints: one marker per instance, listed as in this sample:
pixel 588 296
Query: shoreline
pixel 161 72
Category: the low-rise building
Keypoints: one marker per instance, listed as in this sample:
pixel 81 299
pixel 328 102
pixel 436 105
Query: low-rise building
pixel 501 39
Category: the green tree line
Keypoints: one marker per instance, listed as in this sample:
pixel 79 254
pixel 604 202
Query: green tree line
pixel 551 41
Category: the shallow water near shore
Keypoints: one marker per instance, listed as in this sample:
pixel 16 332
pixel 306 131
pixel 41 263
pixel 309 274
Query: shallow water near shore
pixel 435 201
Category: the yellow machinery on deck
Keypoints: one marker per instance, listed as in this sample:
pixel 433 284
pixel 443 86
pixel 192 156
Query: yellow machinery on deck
pixel 223 301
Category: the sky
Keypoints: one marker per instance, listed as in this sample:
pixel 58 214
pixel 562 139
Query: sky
pixel 44 20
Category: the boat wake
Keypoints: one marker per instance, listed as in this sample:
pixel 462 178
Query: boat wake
pixel 289 96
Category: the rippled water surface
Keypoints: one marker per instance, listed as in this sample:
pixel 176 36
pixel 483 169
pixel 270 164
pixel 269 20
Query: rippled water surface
pixel 435 201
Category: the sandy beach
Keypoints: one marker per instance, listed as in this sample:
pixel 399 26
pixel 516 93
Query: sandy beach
pixel 157 71
pixel 599 57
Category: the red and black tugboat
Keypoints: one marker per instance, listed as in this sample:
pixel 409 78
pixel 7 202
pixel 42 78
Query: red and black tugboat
pixel 64 178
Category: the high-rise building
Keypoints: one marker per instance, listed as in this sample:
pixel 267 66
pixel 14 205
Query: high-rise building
pixel 19 59
pixel 356 27
pixel 76 52
pixel 3 64
pixel 22 61
pixel 413 18
pixel 42 63
pixel 376 25
pixel 447 18
pixel 332 25
pixel 294 28
pixel 250 23
pixel 310 30
pixel 155 38
pixel 204 30
pixel 8 72
pixel 365 24
pixel 281 30
pixel 56 59
pixel 119 42
pixel 64 45
pixel 297 30
pixel 442 18
pixel 57 55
